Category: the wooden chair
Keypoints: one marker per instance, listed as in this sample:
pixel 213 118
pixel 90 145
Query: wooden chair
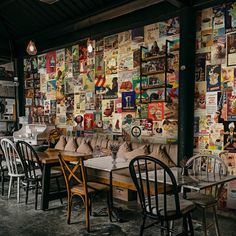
pixel 14 165
pixel 163 207
pixel 77 185
pixel 204 165
pixel 3 168
pixel 33 170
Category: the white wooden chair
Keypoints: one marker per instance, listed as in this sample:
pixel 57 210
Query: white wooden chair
pixel 14 165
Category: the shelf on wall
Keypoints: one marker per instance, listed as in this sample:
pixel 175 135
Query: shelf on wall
pixel 153 87
pixel 151 58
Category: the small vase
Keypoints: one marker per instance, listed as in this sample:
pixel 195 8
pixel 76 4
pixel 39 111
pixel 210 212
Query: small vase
pixel 114 156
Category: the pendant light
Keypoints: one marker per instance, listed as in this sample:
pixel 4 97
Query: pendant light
pixel 31 48
pixel 89 46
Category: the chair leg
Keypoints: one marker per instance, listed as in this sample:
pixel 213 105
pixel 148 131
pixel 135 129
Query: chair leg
pixel 69 209
pixel 216 221
pixel 2 183
pixel 59 189
pixel 18 189
pixel 190 224
pixel 87 214
pixel 167 228
pixel 185 225
pixel 36 195
pixel 109 206
pixel 27 192
pixel 204 223
pixel 142 226
pixel 162 228
pixel 9 188
pixel 171 228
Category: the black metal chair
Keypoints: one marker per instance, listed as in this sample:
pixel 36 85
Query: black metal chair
pixel 159 195
pixel 33 170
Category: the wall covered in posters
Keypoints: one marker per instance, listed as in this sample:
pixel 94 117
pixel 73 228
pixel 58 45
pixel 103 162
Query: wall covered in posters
pixel 101 89
pixel 215 88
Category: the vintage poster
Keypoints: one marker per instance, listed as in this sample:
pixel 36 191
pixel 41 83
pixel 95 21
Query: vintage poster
pixel 117 123
pixel 230 160
pixel 97 124
pixel 219 17
pixel 100 84
pixel 68 62
pixel 118 105
pixel 128 101
pixel 218 51
pixel 137 35
pixel 99 64
pixel 231 105
pixel 60 83
pixel 108 108
pixel 111 87
pixel 69 86
pixel 231 49
pixel 111 62
pixel 227 78
pixel 169 27
pixel 170 129
pixel 88 80
pixel 125 81
pixel 136 58
pixel 51 89
pixel 89 101
pixel 75 58
pixel 151 33
pixel 42 63
pixel 79 103
pixel 78 83
pixel 111 42
pixel 60 60
pixel 53 105
pixel 124 38
pixel 156 111
pixel 206 23
pixel 51 62
pixel 211 102
pixel 216 137
pixel 88 121
pixel 206 38
pixel 229 135
pixel 213 77
pixel 203 142
pixel 43 82
pixel 204 124
pixel 142 111
pixel 69 103
pixel 230 17
pixel 125 61
pixel 47 108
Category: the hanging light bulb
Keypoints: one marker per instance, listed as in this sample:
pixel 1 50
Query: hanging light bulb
pixel 90 46
pixel 31 48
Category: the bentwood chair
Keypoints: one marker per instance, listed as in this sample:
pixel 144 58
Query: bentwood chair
pixel 159 197
pixel 206 167
pixel 77 185
pixel 14 165
pixel 33 170
pixel 3 168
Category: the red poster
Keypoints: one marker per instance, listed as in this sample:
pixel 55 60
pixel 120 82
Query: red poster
pixel 88 121
pixel 51 62
pixel 156 111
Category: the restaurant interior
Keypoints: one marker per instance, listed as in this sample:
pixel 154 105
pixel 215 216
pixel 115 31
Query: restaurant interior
pixel 117 117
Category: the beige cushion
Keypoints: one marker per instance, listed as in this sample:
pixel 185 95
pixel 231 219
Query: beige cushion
pixel 71 144
pixel 84 148
pixel 79 140
pixel 125 147
pixel 143 150
pixel 163 156
pixel 61 143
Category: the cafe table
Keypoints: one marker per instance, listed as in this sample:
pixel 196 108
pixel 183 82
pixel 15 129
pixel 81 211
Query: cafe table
pixel 49 159
pixel 108 165
pixel 192 181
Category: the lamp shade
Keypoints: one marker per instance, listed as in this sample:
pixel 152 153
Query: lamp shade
pixel 31 48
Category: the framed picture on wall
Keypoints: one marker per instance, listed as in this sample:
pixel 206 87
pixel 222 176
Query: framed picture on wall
pixel 231 49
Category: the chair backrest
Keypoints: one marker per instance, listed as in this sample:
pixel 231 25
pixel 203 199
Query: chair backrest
pixel 210 167
pixel 12 156
pixel 154 186
pixel 29 159
pixel 74 174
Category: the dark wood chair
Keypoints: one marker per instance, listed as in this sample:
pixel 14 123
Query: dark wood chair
pixel 162 207
pixel 76 183
pixel 33 170
pixel 202 166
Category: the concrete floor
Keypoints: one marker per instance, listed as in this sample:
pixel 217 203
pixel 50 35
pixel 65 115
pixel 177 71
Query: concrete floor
pixel 20 219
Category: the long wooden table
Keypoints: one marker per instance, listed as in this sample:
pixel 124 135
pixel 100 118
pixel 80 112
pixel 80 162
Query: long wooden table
pixel 49 159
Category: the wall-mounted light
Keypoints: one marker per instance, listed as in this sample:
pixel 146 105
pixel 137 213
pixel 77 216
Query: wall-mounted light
pixel 31 48
pixel 89 46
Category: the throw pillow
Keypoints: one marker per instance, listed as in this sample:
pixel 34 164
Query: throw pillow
pixel 124 148
pixel 71 145
pixel 61 143
pixel 84 148
pixel 143 150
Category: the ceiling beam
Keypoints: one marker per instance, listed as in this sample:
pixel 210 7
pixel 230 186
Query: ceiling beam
pixel 6 3
pixel 175 3
pixel 96 19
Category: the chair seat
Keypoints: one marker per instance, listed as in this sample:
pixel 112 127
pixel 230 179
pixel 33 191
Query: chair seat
pixel 185 205
pixel 201 199
pixel 92 187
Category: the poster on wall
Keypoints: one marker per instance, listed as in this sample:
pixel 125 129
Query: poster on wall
pixel 111 42
pixel 51 89
pixel 128 101
pixel 169 27
pixel 211 102
pixel 68 62
pixel 51 62
pixel 229 135
pixel 156 111
pixel 218 51
pixel 88 121
pixel 42 64
pixel 230 17
pixel 111 87
pixel 231 49
pixel 151 33
pixel 227 78
pixel 137 35
pixel 219 17
pixel 231 105
pixel 75 58
pixel 60 59
pixel 213 77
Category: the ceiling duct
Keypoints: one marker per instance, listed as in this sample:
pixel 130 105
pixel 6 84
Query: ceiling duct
pixel 50 2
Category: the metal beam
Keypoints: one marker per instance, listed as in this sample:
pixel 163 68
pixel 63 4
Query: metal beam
pixel 96 19
pixel 175 3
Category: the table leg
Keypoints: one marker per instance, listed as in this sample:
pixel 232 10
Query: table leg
pixel 45 187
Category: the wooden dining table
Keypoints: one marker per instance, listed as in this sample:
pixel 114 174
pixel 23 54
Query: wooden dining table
pixel 49 159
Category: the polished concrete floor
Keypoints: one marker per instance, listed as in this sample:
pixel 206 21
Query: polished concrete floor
pixel 20 219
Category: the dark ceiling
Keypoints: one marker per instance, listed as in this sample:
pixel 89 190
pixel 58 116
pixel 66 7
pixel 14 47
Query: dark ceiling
pixel 21 20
